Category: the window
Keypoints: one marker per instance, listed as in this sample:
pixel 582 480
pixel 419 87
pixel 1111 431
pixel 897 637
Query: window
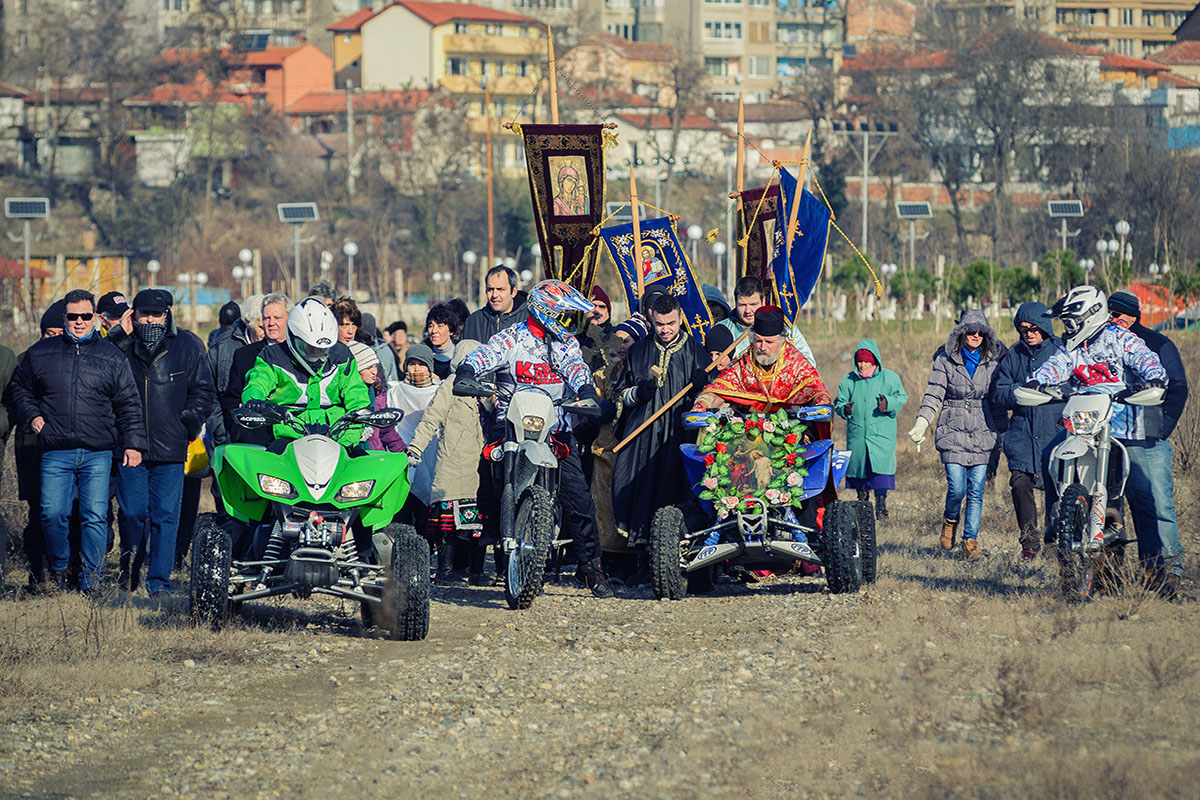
pixel 1126 16
pixel 523 69
pixel 455 66
pixel 723 2
pixel 24 7
pixel 722 30
pixel 760 65
pixel 716 66
pixel 493 30
pixel 460 27
pixel 616 3
pixel 346 37
pixel 624 31
pixel 483 66
pixel 499 69
pixel 500 107
pixel 1125 47
pixel 22 39
pixel 758 2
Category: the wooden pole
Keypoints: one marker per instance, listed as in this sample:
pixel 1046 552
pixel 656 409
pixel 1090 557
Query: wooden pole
pixel 553 77
pixel 740 258
pixel 679 396
pixel 491 262
pixel 795 210
pixel 637 236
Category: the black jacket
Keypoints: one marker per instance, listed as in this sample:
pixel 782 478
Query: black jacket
pixel 485 323
pixel 1032 428
pixel 1161 420
pixel 220 361
pixel 85 392
pixel 231 397
pixel 174 383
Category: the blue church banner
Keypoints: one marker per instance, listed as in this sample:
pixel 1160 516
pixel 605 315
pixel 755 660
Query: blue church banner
pixel 795 277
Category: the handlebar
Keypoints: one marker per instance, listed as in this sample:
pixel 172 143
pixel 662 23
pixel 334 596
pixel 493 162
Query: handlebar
pixel 473 387
pixel 263 413
pixel 1033 394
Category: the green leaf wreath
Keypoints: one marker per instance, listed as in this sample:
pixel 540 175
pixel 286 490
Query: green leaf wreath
pixel 782 433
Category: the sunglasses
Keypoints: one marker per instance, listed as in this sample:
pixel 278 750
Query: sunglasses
pixel 75 317
pixel 1027 329
pixel 973 332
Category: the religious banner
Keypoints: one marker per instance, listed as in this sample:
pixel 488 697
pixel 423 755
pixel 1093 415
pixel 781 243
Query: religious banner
pixel 757 221
pixel 566 185
pixel 663 264
pixel 794 277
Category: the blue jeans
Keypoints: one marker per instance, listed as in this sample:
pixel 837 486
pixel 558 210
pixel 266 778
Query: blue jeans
pixel 65 475
pixel 151 493
pixel 965 481
pixel 1151 493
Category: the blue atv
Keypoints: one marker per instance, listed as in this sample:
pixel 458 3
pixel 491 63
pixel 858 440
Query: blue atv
pixel 766 500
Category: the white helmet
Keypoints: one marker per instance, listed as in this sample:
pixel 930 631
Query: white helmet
pixel 1083 311
pixel 311 331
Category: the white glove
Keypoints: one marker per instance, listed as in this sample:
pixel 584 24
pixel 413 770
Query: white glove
pixel 917 434
pixel 414 455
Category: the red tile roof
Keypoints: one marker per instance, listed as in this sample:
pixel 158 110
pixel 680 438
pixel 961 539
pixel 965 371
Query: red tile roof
pixel 634 51
pixel 335 102
pixel 11 268
pixel 352 23
pixel 1179 81
pixel 663 121
pixel 437 13
pixel 268 57
pixel 186 94
pixel 64 96
pixel 1187 52
pixel 1114 61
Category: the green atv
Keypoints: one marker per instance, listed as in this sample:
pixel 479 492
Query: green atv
pixel 302 500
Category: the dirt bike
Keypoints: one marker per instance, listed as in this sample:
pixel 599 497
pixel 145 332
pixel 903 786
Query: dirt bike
pixel 754 533
pixel 302 500
pixel 1088 479
pixel 527 458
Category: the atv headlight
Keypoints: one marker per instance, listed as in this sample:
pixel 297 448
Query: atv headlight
pixel 1083 423
pixel 533 423
pixel 359 490
pixel 276 487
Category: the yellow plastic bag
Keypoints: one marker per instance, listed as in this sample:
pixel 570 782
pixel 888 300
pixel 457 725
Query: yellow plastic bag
pixel 197 457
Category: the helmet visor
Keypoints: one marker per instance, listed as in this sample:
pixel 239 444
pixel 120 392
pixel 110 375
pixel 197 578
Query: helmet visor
pixel 571 322
pixel 311 353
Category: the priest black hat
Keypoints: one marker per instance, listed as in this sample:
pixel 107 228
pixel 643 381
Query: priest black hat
pixel 719 339
pixel 768 321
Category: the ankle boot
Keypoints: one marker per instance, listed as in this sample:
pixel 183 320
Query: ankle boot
pixel 970 549
pixel 445 562
pixel 949 530
pixel 881 511
pixel 864 495
pixel 595 579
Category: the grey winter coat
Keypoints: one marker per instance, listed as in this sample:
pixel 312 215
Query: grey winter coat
pixel 456 473
pixel 968 423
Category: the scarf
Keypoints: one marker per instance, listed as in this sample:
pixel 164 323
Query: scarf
pixel 151 334
pixel 444 353
pixel 970 359
pixel 72 337
pixel 868 372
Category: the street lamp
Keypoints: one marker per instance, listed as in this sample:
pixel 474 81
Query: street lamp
pixel 536 249
pixel 468 259
pixel 1089 264
pixel 192 280
pixel 350 250
pixel 326 264
pixel 152 266
pixel 526 275
pixel 242 274
pixel 510 262
pixel 694 232
pixel 441 279
pixel 718 251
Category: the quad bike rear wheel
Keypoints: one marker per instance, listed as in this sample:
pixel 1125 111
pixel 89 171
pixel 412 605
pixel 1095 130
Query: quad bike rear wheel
pixel 1076 567
pixel 667 530
pixel 533 530
pixel 866 539
pixel 406 593
pixel 208 590
pixel 840 548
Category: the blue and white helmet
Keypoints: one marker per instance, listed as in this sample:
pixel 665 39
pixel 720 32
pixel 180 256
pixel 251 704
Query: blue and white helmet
pixel 311 331
pixel 558 308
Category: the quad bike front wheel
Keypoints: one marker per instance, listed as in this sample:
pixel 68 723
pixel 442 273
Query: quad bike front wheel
pixel 841 552
pixel 406 593
pixel 1076 567
pixel 208 590
pixel 533 530
pixel 666 542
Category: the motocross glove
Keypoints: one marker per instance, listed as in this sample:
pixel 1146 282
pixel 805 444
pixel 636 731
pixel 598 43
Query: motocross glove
pixel 264 407
pixel 588 392
pixel 414 455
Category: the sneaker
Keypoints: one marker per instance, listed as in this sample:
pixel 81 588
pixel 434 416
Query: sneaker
pixel 481 579
pixel 1028 553
pixel 595 579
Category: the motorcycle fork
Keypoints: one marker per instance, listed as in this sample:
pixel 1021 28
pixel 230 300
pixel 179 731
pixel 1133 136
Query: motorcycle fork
pixel 1100 486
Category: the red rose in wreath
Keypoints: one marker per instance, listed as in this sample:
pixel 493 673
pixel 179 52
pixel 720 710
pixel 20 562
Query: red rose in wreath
pixel 722 447
pixel 790 459
pixel 709 459
pixel 791 438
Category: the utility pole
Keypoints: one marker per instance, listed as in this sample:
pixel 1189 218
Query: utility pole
pixel 880 131
pixel 350 139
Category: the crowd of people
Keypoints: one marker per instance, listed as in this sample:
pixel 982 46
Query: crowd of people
pixel 115 401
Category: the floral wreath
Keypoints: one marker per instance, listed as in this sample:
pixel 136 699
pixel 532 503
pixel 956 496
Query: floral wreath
pixel 781 432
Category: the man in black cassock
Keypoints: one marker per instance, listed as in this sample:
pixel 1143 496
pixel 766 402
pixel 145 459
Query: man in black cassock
pixel 649 470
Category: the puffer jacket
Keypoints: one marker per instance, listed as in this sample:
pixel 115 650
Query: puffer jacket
pixel 968 422
pixel 84 391
pixel 174 382
pixel 456 474
pixel 1031 429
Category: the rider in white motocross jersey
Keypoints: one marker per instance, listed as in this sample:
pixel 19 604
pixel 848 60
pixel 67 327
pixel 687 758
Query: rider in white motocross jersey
pixel 542 351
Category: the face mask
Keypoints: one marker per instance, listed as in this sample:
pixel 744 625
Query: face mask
pixel 867 371
pixel 151 333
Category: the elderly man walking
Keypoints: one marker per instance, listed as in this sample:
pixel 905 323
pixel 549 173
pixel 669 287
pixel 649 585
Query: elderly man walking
pixel 177 393
pixel 76 392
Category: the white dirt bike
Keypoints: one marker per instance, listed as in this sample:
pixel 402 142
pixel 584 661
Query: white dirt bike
pixel 1088 478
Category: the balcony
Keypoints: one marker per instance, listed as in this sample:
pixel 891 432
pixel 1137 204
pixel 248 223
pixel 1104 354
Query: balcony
pixel 503 85
pixel 469 44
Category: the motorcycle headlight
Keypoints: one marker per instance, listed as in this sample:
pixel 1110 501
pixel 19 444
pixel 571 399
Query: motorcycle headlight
pixel 1082 423
pixel 533 424
pixel 359 490
pixel 276 487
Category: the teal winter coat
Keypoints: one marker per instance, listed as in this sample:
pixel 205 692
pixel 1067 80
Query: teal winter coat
pixel 868 431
